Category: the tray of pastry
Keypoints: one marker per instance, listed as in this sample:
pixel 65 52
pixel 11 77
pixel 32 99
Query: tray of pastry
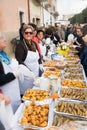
pixel 47 73
pixel 68 123
pixel 34 115
pixel 74 66
pixel 73 93
pixel 72 70
pixel 73 76
pixel 59 119
pixel 71 57
pixel 72 61
pixel 53 69
pixel 36 95
pixel 58 64
pixel 49 63
pixel 73 83
pixel 74 108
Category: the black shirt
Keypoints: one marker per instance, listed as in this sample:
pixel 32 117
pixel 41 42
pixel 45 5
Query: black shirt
pixel 5 78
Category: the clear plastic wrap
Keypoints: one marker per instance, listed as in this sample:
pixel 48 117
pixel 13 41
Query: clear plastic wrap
pixel 74 125
pixel 59 120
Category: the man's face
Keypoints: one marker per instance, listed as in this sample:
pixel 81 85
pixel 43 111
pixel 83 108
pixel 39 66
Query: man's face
pixel 79 33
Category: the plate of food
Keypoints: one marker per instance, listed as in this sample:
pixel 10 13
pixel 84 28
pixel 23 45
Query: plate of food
pixel 36 95
pixel 34 115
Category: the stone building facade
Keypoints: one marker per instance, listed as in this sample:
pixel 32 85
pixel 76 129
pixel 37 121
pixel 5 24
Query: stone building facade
pixel 13 13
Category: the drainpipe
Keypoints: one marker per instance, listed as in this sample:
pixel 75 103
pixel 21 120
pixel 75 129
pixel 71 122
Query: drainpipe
pixel 28 3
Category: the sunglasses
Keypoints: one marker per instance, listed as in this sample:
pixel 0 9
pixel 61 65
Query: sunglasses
pixel 28 33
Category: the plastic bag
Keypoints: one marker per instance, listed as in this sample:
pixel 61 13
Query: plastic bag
pixel 6 115
pixel 71 37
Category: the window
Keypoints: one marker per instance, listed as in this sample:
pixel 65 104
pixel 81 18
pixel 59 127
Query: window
pixel 21 16
pixel 33 20
pixel 37 21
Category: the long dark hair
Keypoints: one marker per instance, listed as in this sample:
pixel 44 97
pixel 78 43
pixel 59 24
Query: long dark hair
pixel 1 68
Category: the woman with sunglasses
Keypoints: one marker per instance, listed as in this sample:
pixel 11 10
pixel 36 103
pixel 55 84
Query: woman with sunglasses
pixel 27 53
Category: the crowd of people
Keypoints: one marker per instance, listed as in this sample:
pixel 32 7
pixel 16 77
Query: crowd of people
pixel 17 75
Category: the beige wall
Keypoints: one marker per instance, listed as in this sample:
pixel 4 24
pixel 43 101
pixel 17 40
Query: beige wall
pixel 35 10
pixel 9 19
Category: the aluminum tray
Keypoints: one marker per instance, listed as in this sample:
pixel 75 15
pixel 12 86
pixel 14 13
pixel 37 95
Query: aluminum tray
pixel 59 119
pixel 75 66
pixel 74 76
pixel 67 106
pixel 76 72
pixel 73 93
pixel 48 100
pixel 73 83
pixel 49 63
pixel 72 60
pixel 72 70
pixel 32 126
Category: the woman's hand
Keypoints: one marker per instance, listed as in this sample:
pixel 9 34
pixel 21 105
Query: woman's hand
pixel 6 98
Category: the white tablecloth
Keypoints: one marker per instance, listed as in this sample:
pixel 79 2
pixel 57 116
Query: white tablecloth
pixel 17 115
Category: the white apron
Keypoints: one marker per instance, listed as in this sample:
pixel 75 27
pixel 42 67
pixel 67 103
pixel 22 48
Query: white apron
pixel 12 89
pixel 31 62
pixel 43 49
pixel 26 84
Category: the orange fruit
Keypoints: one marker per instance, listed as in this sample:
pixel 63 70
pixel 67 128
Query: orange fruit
pixel 54 95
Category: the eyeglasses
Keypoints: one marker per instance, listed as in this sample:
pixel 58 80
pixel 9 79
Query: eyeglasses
pixel 28 33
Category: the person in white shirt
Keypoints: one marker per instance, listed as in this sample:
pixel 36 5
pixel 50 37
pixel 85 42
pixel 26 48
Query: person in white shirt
pixel 40 36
